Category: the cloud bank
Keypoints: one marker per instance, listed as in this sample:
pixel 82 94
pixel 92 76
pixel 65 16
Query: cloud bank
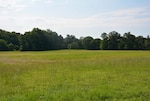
pixel 119 19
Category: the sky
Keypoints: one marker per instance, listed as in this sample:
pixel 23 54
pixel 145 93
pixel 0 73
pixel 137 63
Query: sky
pixel 76 17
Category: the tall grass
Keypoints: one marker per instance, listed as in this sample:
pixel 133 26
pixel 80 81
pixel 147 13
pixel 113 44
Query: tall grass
pixel 75 75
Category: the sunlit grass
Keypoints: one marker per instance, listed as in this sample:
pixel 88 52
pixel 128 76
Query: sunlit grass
pixel 75 75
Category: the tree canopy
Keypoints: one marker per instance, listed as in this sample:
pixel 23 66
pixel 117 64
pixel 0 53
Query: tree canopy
pixel 41 40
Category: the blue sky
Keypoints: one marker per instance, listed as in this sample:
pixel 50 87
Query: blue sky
pixel 77 17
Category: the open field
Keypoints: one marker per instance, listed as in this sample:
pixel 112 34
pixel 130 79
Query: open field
pixel 75 75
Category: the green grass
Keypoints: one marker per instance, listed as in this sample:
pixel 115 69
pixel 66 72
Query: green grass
pixel 75 75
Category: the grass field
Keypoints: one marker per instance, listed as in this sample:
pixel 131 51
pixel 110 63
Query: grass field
pixel 75 75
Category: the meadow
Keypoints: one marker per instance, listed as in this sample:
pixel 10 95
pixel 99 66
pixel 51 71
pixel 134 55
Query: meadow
pixel 75 75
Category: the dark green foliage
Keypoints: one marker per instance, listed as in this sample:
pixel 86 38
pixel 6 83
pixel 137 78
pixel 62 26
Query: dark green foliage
pixel 87 42
pixel 13 47
pixel 91 44
pixel 147 43
pixel 12 40
pixel 139 43
pixel 113 40
pixel 104 43
pixel 41 40
pixel 130 41
pixel 71 42
pixel 3 45
pixel 95 44
pixel 122 43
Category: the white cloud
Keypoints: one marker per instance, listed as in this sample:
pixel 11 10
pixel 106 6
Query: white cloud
pixel 122 18
pixel 129 12
pixel 130 18
pixel 11 5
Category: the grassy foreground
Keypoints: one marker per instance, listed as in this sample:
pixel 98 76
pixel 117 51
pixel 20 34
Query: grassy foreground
pixel 75 75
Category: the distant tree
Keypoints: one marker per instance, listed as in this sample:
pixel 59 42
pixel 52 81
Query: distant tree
pixel 13 47
pixel 139 43
pixel 122 43
pixel 147 43
pixel 95 44
pixel 91 44
pixel 74 45
pixel 104 42
pixel 80 43
pixel 71 42
pixel 60 42
pixel 113 40
pixel 104 36
pixel 11 38
pixel 130 41
pixel 26 42
pixel 87 42
pixel 3 45
pixel 39 40
pixel 14 38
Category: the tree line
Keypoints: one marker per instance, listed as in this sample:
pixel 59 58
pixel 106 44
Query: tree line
pixel 42 40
